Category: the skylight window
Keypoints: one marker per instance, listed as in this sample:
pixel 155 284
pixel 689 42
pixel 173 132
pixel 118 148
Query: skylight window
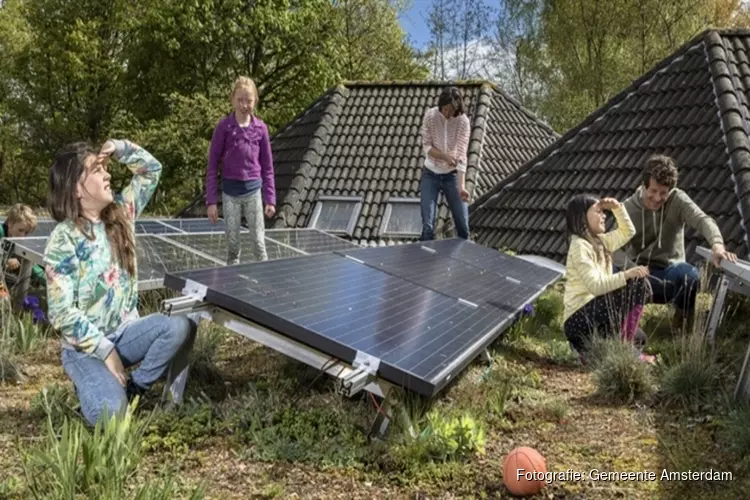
pixel 402 217
pixel 336 214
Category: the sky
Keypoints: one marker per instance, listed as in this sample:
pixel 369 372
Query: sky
pixel 413 22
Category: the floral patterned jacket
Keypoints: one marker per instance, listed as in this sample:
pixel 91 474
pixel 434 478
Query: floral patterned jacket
pixel 89 295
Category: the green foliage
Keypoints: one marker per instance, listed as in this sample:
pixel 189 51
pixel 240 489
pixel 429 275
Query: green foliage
pixel 572 57
pixel 735 430
pixel 328 435
pixel 8 367
pixel 618 373
pixel 21 333
pixel 161 73
pixel 692 375
pixel 55 402
pixel 96 464
pixel 179 431
pixel 438 438
pixel 76 462
pixel 203 368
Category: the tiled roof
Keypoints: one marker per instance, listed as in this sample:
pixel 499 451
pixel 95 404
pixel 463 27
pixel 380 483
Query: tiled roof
pixel 692 106
pixel 363 139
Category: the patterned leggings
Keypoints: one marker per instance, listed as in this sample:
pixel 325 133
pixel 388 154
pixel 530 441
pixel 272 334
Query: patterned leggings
pixel 251 206
pixel 607 315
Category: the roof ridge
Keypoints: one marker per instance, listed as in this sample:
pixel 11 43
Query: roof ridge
pixel 312 156
pixel 591 118
pixel 414 83
pixel 523 109
pixel 733 120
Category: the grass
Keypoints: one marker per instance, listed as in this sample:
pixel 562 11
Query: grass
pixel 254 424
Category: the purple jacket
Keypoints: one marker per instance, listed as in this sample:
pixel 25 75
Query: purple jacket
pixel 245 155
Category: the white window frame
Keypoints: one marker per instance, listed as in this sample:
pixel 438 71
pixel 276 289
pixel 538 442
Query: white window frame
pixel 352 218
pixel 387 217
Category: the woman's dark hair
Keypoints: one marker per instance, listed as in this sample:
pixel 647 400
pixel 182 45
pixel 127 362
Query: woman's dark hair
pixel 577 222
pixel 64 174
pixel 451 95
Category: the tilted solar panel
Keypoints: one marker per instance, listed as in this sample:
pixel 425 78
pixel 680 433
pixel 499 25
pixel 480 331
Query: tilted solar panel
pixel 310 241
pixel 407 307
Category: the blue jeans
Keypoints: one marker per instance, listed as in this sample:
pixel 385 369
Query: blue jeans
pixel 158 342
pixel 676 284
pixel 429 188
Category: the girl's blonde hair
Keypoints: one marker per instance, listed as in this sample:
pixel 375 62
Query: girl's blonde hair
pixel 244 82
pixel 24 214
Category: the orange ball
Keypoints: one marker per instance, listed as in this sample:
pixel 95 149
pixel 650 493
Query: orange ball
pixel 523 471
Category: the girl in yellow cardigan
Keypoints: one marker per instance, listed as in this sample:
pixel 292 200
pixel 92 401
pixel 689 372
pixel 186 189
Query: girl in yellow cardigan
pixel 598 301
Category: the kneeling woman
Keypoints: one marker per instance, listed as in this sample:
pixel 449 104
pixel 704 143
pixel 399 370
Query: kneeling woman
pixel 598 302
pixel 92 280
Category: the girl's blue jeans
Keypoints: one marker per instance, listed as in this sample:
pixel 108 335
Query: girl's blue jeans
pixel 159 343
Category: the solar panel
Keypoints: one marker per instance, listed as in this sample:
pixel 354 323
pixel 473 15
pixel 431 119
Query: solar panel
pixel 215 245
pixel 198 225
pixel 154 227
pixel 30 248
pixel 157 256
pixel 340 307
pixel 44 227
pixel 310 241
pixel 487 258
pixel 438 271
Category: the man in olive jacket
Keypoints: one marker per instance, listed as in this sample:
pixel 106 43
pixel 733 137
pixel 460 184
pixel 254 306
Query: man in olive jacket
pixel 659 210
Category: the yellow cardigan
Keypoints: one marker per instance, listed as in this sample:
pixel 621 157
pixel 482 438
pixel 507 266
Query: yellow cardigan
pixel 586 277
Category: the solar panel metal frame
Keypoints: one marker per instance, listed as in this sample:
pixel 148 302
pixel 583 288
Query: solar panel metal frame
pixel 255 314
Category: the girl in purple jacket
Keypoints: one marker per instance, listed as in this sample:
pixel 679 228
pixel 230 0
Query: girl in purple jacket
pixel 242 145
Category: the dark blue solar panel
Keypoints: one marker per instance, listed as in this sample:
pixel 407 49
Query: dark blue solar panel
pixel 440 272
pixel 153 227
pixel 494 260
pixel 423 331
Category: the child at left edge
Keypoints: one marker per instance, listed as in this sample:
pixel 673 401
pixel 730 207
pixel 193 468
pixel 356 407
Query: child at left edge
pixel 20 223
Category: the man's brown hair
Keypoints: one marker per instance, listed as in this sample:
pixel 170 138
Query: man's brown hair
pixel 661 169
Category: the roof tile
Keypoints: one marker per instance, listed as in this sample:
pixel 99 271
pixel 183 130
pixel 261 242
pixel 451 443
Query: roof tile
pixel 690 106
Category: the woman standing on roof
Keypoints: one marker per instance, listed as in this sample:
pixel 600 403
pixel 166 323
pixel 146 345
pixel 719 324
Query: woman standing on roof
pixel 445 140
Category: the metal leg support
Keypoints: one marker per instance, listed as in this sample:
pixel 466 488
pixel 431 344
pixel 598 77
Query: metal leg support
pixel 383 417
pixel 717 309
pixel 743 382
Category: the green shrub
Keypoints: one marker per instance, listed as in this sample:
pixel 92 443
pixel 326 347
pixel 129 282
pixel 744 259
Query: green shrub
pixel 618 373
pixel 692 375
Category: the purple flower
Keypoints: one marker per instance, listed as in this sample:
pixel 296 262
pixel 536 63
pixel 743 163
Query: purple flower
pixel 31 302
pixel 38 316
pixel 528 310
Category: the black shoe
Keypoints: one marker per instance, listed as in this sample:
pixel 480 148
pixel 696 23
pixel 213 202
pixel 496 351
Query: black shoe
pixel 132 390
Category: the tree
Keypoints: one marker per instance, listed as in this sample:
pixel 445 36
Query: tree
pixel 585 51
pixel 372 44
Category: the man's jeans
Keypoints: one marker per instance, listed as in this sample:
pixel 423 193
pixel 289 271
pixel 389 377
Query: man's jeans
pixel 430 187
pixel 677 284
pixel 158 342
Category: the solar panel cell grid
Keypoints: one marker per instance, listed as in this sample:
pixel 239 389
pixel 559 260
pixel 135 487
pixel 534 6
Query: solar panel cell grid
pixel 310 241
pixel 448 276
pixel 215 245
pixel 343 306
pixel 487 258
